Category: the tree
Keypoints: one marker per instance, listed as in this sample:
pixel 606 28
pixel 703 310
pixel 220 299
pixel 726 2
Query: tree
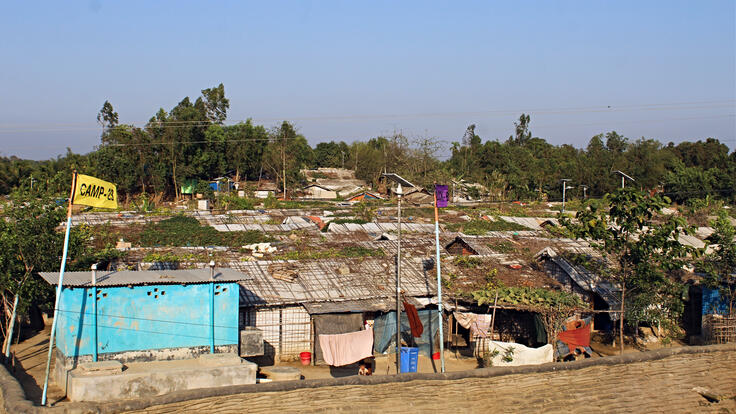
pixel 522 135
pixel 286 154
pixel 107 117
pixel 641 246
pixel 719 265
pixel 215 103
pixel 29 244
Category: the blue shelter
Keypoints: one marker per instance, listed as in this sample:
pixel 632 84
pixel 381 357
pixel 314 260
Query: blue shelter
pixel 145 315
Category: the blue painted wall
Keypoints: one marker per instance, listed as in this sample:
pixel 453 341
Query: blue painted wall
pixel 713 302
pixel 146 317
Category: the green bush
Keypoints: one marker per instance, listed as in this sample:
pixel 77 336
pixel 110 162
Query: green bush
pixel 237 203
pixel 478 227
pixel 187 231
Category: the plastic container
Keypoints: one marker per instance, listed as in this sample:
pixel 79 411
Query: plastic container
pixel 306 357
pixel 409 359
pixel 436 356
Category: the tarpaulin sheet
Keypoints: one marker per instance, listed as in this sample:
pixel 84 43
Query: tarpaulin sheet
pixel 384 329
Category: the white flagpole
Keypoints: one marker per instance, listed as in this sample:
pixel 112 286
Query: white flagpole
pixel 439 278
pixel 58 289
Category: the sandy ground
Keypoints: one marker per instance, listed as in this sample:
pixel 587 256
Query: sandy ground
pixel 31 355
pixel 32 352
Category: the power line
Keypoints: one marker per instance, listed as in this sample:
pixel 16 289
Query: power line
pixel 8 128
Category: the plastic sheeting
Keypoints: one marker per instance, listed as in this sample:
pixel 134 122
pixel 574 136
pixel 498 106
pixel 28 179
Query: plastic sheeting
pixel 512 354
pixel 384 328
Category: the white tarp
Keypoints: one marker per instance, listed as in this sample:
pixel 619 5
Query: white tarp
pixel 513 354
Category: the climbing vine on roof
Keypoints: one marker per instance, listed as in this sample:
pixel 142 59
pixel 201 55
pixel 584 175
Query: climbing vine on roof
pixel 538 298
pixel 554 306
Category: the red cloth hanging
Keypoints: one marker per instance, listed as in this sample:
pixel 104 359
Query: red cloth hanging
pixel 415 324
pixel 576 338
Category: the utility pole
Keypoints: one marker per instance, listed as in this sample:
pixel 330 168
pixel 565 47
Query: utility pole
pixel 564 188
pixel 624 177
pixel 283 160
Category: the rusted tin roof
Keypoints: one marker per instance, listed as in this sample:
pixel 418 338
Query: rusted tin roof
pixel 144 277
pixel 333 280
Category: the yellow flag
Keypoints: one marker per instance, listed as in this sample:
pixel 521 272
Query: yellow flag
pixel 91 191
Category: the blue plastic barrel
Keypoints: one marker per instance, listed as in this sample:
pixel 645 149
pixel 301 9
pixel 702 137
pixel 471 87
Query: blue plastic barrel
pixel 409 359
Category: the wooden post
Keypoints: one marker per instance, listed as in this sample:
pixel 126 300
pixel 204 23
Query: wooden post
pixel 313 339
pixel 493 318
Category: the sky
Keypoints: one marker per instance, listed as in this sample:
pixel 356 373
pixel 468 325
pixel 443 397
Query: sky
pixel 347 70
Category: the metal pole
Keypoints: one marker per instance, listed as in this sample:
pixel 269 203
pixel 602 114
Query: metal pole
pixel 59 289
pixel 623 182
pixel 9 337
pixel 564 186
pixel 398 288
pixel 94 309
pixel 439 278
pixel 212 307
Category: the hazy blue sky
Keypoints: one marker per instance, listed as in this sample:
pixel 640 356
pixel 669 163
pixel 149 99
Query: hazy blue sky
pixel 348 70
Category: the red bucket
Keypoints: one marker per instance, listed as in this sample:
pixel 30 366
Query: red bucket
pixel 306 357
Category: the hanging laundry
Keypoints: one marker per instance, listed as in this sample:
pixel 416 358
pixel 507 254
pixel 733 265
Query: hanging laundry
pixel 478 323
pixel 575 336
pixel 481 325
pixel 415 324
pixel 465 319
pixel 345 349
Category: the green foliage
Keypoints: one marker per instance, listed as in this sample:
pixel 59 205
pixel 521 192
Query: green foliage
pixel 719 265
pixel 190 141
pixel 271 201
pixel 187 231
pixel 167 257
pixel 203 187
pixel 502 246
pixel 30 243
pixel 365 211
pixel 346 252
pixel 537 298
pixel 349 220
pixel 508 354
pixel 230 202
pixel 479 227
pixel 467 261
pixel 643 245
pixel 486 359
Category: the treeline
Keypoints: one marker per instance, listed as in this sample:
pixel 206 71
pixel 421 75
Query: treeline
pixel 190 141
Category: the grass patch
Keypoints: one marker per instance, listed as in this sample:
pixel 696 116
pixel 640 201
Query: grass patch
pixel 349 220
pixel 349 251
pixel 503 246
pixel 187 231
pixel 478 227
pixel 467 262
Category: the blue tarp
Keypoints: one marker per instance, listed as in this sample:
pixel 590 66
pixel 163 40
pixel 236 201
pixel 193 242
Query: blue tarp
pixel 384 332
pixel 713 302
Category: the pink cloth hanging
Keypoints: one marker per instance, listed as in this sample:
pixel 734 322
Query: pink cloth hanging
pixel 344 349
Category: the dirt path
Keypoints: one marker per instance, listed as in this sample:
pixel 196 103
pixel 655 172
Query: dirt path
pixel 31 357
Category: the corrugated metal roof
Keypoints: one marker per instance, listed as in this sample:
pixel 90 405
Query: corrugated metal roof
pixel 145 277
pixel 364 305
pixel 333 280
